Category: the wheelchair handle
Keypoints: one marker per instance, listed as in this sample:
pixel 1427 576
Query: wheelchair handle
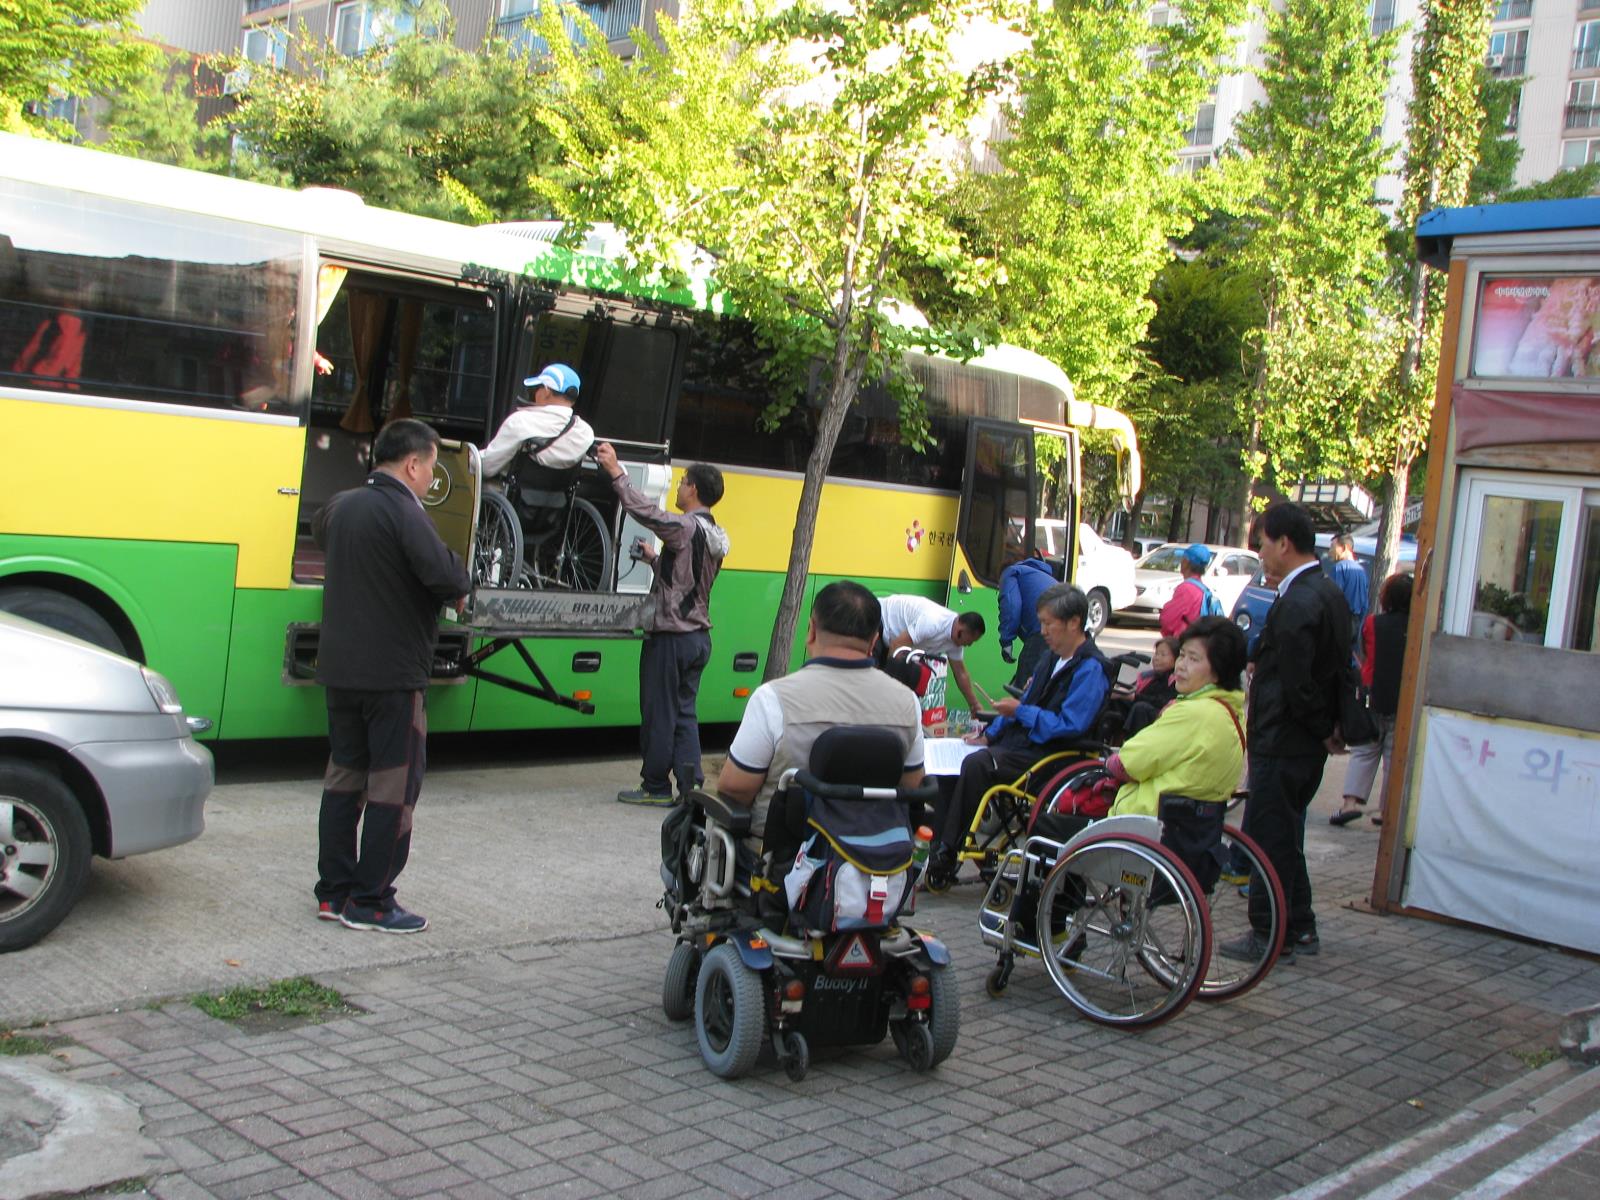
pixel 856 791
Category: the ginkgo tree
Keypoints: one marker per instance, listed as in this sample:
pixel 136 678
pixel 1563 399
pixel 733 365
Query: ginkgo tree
pixel 810 149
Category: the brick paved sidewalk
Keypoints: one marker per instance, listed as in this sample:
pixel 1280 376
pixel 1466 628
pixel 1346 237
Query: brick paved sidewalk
pixel 550 1070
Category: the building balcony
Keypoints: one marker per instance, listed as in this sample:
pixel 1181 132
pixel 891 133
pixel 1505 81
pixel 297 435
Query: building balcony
pixel 616 19
pixel 1588 6
pixel 1508 66
pixel 1517 10
pixel 1583 116
pixel 1586 58
pixel 255 6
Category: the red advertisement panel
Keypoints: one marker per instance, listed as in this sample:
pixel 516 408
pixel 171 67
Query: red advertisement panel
pixel 1537 327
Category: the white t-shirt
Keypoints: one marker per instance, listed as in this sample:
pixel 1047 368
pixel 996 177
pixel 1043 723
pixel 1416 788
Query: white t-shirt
pixel 538 421
pixel 929 624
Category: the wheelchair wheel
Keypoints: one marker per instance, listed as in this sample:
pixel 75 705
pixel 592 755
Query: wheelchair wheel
pixel 729 1013
pixel 498 548
pixel 1118 958
pixel 586 562
pixel 944 1014
pixel 677 990
pixel 1230 918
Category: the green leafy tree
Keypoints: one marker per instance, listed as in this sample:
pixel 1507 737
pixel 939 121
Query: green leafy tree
pixel 1445 144
pixel 414 123
pixel 1312 159
pixel 154 115
pixel 808 149
pixel 1081 212
pixel 58 48
pixel 1187 413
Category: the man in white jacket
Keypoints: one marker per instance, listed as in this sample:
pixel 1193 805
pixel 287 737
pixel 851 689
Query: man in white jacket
pixel 546 417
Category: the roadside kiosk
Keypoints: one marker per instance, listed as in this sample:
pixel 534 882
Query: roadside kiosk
pixel 1493 816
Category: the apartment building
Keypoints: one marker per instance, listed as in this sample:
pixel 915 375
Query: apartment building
pixel 1553 47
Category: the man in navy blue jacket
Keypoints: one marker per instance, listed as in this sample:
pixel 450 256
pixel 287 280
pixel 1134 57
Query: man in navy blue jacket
pixel 1021 585
pixel 1059 707
pixel 388 572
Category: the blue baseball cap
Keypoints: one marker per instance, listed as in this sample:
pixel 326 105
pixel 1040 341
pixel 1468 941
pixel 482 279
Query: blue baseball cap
pixel 1196 555
pixel 558 377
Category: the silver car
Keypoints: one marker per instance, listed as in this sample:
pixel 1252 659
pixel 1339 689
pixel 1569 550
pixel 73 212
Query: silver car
pixel 96 757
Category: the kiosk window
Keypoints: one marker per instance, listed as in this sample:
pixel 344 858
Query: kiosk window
pixel 1516 568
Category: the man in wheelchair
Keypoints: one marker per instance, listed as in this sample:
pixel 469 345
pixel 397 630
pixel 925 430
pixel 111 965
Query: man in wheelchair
pixel 559 437
pixel 819 784
pixel 1057 712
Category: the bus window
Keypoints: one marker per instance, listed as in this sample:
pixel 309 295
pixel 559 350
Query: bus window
pixel 724 392
pixel 630 396
pixel 107 298
pixel 390 348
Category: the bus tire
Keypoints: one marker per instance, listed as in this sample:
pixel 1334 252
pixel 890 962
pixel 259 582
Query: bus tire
pixel 47 849
pixel 1099 612
pixel 62 612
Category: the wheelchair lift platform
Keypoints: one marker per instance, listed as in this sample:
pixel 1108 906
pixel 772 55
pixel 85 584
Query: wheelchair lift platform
pixel 508 618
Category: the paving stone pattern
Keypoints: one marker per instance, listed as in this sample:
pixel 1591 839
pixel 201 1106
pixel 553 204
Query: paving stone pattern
pixel 549 1069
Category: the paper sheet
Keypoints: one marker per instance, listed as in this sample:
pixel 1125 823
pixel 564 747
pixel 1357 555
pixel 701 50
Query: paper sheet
pixel 944 756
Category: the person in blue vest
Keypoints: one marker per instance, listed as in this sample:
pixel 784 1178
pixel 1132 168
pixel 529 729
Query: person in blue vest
pixel 1021 585
pixel 1192 599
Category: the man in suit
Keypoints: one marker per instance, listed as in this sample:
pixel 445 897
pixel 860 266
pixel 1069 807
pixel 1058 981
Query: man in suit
pixel 1293 721
pixel 1059 707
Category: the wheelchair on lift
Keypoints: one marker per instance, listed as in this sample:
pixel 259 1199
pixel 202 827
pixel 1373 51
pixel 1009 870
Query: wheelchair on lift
pixel 1125 911
pixel 766 955
pixel 539 533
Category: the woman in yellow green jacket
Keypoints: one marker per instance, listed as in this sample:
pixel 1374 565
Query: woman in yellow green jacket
pixel 1195 747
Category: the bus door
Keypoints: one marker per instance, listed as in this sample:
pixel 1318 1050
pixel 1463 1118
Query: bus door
pixel 993 529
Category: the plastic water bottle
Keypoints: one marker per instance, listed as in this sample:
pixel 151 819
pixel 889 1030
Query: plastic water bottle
pixel 919 847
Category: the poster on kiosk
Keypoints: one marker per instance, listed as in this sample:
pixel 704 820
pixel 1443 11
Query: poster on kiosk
pixel 1494 799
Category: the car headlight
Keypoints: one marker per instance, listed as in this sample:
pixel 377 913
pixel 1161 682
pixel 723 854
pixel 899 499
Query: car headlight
pixel 1242 620
pixel 162 692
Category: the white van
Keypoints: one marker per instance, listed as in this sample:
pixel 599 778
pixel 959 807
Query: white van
pixel 1104 571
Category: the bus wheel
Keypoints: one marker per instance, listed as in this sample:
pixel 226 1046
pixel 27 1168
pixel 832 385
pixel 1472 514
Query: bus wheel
pixel 1099 612
pixel 57 610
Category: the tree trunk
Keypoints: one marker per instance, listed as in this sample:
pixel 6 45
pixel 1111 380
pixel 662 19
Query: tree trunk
pixel 846 382
pixel 1394 515
pixel 1130 528
pixel 1175 519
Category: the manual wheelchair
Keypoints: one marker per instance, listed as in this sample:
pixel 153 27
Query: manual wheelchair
pixel 760 960
pixel 1005 810
pixel 1126 911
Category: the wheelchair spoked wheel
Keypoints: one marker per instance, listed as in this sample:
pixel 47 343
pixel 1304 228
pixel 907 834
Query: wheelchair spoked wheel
pixel 585 561
pixel 678 988
pixel 1230 919
pixel 498 549
pixel 729 1013
pixel 1125 934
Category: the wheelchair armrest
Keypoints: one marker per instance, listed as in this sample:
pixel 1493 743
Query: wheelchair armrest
pixel 732 818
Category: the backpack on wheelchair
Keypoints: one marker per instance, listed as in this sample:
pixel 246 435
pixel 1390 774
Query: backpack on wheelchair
pixel 802 943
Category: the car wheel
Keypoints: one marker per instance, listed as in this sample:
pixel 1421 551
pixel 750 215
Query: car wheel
pixel 1099 612
pixel 44 853
pixel 56 610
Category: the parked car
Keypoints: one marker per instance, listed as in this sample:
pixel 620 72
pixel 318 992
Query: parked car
pixel 1105 571
pixel 1156 576
pixel 1249 612
pixel 96 757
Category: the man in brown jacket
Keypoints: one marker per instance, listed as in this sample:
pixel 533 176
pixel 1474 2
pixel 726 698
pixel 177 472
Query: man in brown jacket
pixel 677 643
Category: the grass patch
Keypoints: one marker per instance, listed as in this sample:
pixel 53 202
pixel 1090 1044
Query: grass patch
pixel 296 998
pixel 1534 1059
pixel 15 1044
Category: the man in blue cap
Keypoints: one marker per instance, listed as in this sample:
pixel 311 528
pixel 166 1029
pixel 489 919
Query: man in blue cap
pixel 1192 599
pixel 546 417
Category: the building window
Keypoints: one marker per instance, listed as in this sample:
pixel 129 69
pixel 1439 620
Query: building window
pixel 1190 164
pixel 1588 5
pixel 1586 46
pixel 267 44
pixel 358 26
pixel 1383 16
pixel 1579 151
pixel 1583 104
pixel 1514 113
pixel 1515 10
pixel 1202 132
pixel 616 19
pixel 1508 53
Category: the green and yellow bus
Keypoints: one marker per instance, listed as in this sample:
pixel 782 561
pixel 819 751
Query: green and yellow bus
pixel 191 365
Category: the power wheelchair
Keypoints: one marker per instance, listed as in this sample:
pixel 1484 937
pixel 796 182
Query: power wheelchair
pixel 762 960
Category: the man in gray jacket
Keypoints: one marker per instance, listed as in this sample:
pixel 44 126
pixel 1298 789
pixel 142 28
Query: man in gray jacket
pixel 388 572
pixel 677 643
